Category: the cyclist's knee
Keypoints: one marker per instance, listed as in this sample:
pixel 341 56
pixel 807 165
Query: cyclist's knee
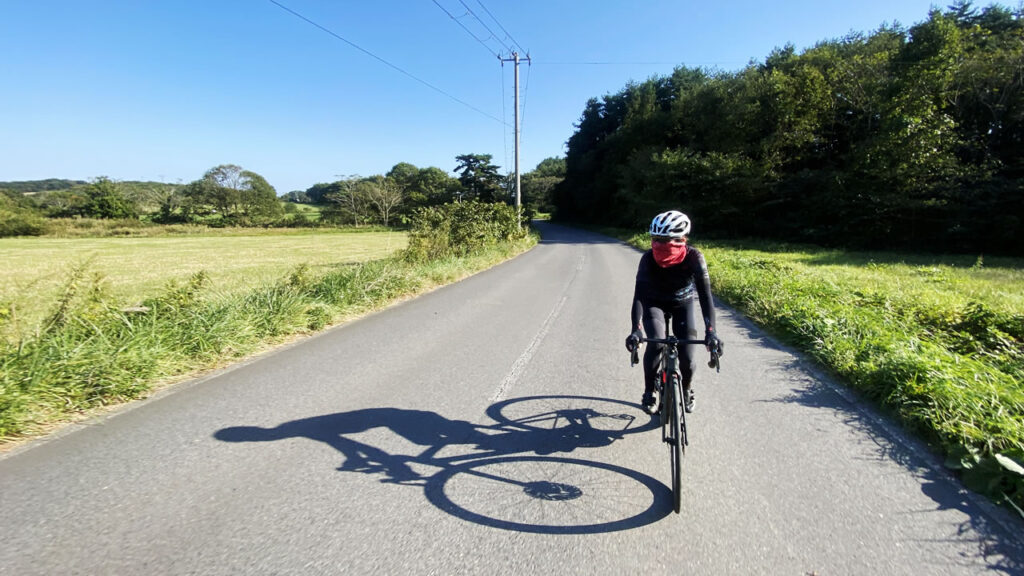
pixel 653 351
pixel 687 369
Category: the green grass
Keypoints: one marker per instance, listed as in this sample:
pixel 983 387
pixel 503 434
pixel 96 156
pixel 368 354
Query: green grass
pixel 309 211
pixel 937 341
pixel 136 268
pixel 103 228
pixel 91 350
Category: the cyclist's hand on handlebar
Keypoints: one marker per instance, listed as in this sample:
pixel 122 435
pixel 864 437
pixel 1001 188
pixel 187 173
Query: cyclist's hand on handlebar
pixel 633 341
pixel 714 343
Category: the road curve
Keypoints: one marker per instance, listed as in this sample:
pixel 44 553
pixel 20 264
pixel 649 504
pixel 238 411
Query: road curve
pixel 491 427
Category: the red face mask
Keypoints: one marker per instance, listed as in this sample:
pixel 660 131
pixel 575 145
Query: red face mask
pixel 668 253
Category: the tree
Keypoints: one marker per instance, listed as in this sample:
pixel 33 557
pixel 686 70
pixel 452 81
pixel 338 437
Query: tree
pixel 384 194
pixel 899 138
pixel 479 178
pixel 197 199
pixel 234 193
pixel 317 193
pixel 297 197
pixel 538 190
pixel 550 168
pixel 259 199
pixel 224 188
pixel 62 203
pixel 347 200
pixel 434 185
pixel 405 176
pixel 170 207
pixel 538 185
pixel 104 199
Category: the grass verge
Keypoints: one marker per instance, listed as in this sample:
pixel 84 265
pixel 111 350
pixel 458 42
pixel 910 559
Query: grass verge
pixel 938 342
pixel 92 351
pixel 135 268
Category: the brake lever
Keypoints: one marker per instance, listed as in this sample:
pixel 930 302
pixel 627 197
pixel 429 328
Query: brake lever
pixel 714 362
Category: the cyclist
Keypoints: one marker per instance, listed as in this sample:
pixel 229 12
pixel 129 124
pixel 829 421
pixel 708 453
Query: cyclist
pixel 670 275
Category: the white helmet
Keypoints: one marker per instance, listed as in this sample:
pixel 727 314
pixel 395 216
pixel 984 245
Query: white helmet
pixel 673 224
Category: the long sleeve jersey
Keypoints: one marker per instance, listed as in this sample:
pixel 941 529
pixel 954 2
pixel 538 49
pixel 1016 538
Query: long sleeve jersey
pixel 671 287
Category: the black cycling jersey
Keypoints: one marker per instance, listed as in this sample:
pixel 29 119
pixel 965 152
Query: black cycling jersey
pixel 660 291
pixel 671 287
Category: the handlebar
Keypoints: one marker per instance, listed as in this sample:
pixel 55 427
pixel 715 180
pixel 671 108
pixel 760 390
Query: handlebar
pixel 670 340
pixel 715 361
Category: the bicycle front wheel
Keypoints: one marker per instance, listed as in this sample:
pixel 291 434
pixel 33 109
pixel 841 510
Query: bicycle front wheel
pixel 675 443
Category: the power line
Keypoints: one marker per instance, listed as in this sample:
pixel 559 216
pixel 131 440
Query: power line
pixel 610 63
pixel 752 62
pixel 504 131
pixel 486 27
pixel 475 37
pixel 509 36
pixel 526 92
pixel 383 61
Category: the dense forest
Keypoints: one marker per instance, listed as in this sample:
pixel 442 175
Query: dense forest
pixel 228 195
pixel 909 138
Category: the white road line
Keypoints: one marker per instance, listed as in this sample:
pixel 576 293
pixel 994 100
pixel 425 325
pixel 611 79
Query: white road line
pixel 524 359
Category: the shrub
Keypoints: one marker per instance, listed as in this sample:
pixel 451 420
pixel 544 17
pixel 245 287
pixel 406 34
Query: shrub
pixel 294 221
pixel 460 229
pixel 21 223
pixel 106 199
pixel 18 216
pixel 95 227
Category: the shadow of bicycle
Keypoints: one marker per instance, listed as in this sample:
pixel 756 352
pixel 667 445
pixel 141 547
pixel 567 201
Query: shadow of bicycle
pixel 503 475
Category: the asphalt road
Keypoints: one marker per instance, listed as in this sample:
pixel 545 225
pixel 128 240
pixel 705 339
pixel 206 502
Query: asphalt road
pixel 492 427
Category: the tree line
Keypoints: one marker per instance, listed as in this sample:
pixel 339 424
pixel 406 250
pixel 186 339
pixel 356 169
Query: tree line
pixel 229 195
pixel 904 137
pixel 405 188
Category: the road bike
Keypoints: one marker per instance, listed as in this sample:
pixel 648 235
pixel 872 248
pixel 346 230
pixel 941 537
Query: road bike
pixel 668 383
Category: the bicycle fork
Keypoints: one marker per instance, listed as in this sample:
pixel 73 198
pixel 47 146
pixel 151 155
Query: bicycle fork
pixel 671 392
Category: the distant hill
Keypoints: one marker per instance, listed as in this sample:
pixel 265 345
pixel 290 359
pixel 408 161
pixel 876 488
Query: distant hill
pixel 130 187
pixel 41 185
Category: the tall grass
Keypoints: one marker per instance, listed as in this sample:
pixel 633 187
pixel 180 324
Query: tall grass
pixel 131 227
pixel 939 344
pixel 35 268
pixel 92 349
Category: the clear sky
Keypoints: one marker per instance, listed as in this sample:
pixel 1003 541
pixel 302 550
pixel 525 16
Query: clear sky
pixel 165 90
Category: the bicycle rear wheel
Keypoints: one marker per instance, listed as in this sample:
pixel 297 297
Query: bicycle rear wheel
pixel 675 443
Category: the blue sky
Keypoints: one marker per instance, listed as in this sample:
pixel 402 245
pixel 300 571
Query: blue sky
pixel 147 90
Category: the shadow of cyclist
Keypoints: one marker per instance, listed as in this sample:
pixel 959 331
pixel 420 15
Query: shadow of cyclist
pixel 427 429
pixel 417 426
pixel 575 432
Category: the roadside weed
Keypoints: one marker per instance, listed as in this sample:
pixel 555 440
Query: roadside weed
pixel 94 349
pixel 939 342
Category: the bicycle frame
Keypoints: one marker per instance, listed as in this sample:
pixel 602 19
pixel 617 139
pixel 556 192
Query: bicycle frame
pixel 673 414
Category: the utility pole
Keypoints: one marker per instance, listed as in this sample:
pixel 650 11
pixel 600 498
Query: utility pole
pixel 515 58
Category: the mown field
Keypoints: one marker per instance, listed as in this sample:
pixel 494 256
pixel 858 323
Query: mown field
pixel 153 309
pixel 937 341
pixel 132 269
